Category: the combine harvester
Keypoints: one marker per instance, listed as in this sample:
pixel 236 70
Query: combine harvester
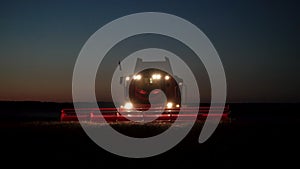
pixel 150 76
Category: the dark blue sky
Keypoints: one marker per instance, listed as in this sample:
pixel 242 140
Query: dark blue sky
pixel 258 42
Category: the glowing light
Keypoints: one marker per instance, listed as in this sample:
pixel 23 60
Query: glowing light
pixel 137 77
pixel 156 76
pixel 128 105
pixel 127 78
pixel 167 77
pixel 177 105
pixel 169 105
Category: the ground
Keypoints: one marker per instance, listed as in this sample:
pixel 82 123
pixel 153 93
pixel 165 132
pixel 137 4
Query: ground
pixel 232 145
pixel 254 141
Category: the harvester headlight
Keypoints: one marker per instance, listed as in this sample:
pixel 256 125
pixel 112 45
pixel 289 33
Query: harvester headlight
pixel 137 77
pixel 128 105
pixel 169 105
pixel 156 76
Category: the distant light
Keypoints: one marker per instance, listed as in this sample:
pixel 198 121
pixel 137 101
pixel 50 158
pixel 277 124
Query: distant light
pixel 156 76
pixel 180 83
pixel 169 105
pixel 177 105
pixel 127 78
pixel 167 77
pixel 137 77
pixel 128 105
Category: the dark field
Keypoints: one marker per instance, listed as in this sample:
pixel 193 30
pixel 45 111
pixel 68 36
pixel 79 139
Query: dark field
pixel 260 135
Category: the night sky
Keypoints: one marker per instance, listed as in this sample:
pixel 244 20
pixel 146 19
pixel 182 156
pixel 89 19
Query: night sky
pixel 257 41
